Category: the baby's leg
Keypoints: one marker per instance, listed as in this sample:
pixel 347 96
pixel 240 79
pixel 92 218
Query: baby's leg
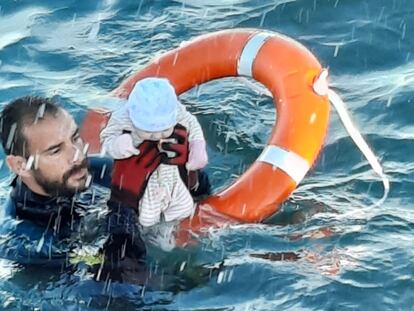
pixel 181 205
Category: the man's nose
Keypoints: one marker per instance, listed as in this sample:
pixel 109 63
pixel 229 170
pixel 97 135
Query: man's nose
pixel 78 154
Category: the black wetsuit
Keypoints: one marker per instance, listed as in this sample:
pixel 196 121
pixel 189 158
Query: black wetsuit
pixel 36 229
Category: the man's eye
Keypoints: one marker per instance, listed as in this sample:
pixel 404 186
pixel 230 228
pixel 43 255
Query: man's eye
pixel 55 151
pixel 77 138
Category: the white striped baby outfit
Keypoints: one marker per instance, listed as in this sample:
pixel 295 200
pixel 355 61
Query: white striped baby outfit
pixel 166 197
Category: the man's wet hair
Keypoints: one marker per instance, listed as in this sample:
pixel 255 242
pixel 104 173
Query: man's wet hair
pixel 18 114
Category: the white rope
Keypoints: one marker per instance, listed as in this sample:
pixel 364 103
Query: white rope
pixel 321 88
pixel 356 136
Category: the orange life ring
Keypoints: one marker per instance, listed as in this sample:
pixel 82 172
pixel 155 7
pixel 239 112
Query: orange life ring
pixel 289 71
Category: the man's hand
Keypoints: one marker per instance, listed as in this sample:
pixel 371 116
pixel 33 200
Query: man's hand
pixel 130 176
pixel 124 251
pixel 123 148
pixel 180 148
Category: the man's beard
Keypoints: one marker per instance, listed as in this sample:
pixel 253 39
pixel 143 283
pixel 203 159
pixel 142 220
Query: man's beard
pixel 61 188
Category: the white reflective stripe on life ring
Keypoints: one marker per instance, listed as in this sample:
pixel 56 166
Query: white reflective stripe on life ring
pixel 289 162
pixel 249 53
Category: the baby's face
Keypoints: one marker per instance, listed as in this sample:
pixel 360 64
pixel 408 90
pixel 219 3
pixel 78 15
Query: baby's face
pixel 155 136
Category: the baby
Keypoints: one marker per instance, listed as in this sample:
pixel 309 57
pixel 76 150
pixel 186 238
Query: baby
pixel 151 113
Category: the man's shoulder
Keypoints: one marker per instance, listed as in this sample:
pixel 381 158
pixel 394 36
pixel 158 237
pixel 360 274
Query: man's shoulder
pixel 23 241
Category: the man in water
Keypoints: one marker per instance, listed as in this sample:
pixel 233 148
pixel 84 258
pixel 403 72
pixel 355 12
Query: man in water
pixel 43 219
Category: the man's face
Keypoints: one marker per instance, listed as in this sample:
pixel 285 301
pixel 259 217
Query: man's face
pixel 155 136
pixel 59 165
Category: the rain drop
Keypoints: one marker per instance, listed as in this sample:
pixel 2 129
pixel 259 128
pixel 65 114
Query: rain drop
pixel 11 135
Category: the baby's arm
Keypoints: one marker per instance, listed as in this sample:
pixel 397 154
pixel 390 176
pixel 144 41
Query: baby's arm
pixel 197 157
pixel 188 120
pixel 115 142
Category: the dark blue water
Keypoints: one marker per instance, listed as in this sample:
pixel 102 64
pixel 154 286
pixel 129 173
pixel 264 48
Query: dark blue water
pixel 80 50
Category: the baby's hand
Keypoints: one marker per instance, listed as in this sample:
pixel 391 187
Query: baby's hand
pixel 197 158
pixel 123 147
pixel 179 148
pixel 170 154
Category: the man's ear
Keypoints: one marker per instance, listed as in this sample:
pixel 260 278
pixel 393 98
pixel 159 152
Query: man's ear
pixel 18 165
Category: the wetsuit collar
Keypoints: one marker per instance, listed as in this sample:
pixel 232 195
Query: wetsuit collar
pixel 43 210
